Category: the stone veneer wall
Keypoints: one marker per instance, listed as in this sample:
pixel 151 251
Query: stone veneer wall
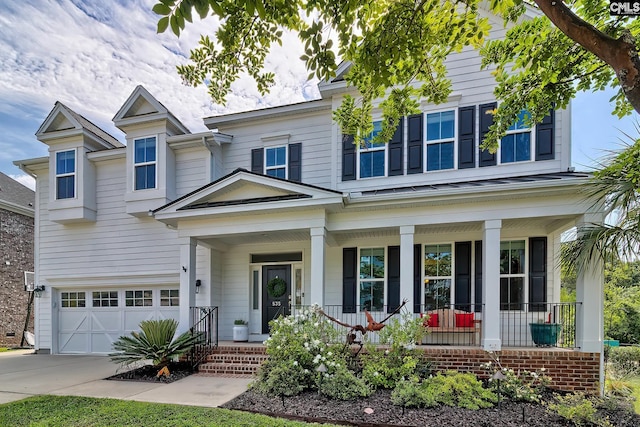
pixel 16 257
pixel 569 370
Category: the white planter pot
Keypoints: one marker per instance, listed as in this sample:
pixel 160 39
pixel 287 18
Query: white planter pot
pixel 240 332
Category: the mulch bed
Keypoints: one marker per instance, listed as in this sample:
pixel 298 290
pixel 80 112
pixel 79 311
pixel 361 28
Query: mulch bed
pixel 312 407
pixel 149 373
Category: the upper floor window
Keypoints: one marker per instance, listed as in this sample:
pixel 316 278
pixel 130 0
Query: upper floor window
pixel 372 279
pixel 144 163
pixel 276 162
pixel 440 140
pixel 437 276
pixel 515 146
pixel 512 275
pixel 372 155
pixel 65 174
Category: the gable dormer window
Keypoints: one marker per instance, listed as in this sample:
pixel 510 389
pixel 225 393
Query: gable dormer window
pixel 372 155
pixel 440 140
pixel 145 155
pixel 66 174
pixel 515 146
pixel 276 162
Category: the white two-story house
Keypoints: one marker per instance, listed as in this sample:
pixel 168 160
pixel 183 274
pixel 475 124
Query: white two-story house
pixel 173 220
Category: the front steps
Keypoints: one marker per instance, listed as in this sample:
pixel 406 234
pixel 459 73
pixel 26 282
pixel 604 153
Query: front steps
pixel 230 360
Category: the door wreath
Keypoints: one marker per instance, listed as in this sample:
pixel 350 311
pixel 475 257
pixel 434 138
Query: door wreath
pixel 276 287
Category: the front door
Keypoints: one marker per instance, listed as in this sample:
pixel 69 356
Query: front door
pixel 275 298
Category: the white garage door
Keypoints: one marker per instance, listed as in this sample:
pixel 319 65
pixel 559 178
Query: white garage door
pixel 89 321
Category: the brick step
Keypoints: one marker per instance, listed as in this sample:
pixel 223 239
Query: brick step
pixel 232 349
pixel 243 359
pixel 230 360
pixel 226 369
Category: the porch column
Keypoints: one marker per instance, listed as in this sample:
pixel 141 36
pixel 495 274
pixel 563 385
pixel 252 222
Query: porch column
pixel 187 281
pixel 590 292
pixel 317 265
pixel 406 264
pixel 491 340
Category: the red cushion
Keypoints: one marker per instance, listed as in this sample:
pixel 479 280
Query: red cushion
pixel 433 320
pixel 464 320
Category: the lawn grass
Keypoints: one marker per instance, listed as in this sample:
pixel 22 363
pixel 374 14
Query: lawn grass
pixel 90 412
pixel 2 349
pixel 635 383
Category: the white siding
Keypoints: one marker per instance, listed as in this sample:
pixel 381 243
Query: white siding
pixel 191 170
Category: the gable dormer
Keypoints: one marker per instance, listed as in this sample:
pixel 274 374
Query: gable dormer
pixel 72 181
pixel 150 160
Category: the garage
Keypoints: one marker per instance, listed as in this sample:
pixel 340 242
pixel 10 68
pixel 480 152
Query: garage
pixel 90 320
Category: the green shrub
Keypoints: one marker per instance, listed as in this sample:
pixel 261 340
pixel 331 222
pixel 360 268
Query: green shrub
pixel 154 342
pixel 342 385
pixel 578 409
pixel 625 361
pixel 279 379
pixel 462 390
pixel 522 385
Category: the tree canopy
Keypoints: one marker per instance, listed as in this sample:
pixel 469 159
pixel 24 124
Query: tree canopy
pixel 398 49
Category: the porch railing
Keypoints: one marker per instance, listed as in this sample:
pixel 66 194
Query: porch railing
pixel 205 323
pixel 539 325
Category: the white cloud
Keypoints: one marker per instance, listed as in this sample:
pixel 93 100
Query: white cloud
pixel 25 180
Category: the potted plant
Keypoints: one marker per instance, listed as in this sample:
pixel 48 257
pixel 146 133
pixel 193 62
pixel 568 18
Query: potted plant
pixel 545 334
pixel 240 330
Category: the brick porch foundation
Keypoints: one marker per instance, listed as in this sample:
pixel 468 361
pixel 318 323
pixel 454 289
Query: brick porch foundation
pixel 569 370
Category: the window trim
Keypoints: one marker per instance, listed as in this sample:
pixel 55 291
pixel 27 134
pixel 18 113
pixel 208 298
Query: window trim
pixel 170 298
pixel 532 143
pixel 135 164
pixel 64 175
pixel 101 298
pixel 362 149
pixel 524 276
pixel 427 142
pixel 286 160
pixel 451 276
pixel 384 280
pixel 142 298
pixel 75 299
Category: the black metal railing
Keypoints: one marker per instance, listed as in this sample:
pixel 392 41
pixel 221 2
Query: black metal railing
pixel 539 325
pixel 204 321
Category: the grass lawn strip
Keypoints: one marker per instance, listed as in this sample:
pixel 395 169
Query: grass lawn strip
pixel 70 411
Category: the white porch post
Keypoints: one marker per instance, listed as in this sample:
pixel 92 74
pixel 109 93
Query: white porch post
pixel 491 340
pixel 406 265
pixel 590 292
pixel 317 265
pixel 187 281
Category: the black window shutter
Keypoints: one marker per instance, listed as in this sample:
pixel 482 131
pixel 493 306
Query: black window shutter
pixel 466 137
pixel 349 279
pixel 417 278
pixel 295 162
pixel 537 273
pixel 257 160
pixel 544 137
pixel 393 281
pixel 486 120
pixel 414 144
pixel 463 276
pixel 396 161
pixel 348 158
pixel 478 273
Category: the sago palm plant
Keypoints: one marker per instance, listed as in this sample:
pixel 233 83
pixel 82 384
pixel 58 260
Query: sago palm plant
pixel 154 342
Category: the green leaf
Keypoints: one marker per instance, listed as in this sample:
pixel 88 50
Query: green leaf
pixel 163 23
pixel 175 26
pixel 161 9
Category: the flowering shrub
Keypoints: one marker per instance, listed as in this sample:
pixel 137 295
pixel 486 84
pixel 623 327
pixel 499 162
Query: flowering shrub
pixel 297 347
pixel 517 385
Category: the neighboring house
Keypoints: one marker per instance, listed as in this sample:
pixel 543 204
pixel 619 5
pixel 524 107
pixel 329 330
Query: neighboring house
pixel 175 220
pixel 16 257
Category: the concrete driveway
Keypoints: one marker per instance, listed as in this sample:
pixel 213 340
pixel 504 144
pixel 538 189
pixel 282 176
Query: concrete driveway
pixel 24 374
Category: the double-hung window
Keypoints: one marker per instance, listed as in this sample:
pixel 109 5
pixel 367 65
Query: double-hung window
pixel 437 276
pixel 145 163
pixel 66 174
pixel 515 146
pixel 372 279
pixel 276 162
pixel 512 274
pixel 372 155
pixel 440 140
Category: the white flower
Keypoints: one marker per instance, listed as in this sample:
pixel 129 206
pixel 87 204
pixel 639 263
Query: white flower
pixel 329 354
pixel 295 363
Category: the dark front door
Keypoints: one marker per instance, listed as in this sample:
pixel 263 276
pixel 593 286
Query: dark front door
pixel 274 305
pixel 276 302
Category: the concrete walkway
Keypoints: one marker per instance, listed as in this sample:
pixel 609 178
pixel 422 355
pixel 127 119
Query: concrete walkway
pixel 24 374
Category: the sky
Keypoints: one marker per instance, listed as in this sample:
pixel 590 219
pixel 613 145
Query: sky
pixel 90 55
